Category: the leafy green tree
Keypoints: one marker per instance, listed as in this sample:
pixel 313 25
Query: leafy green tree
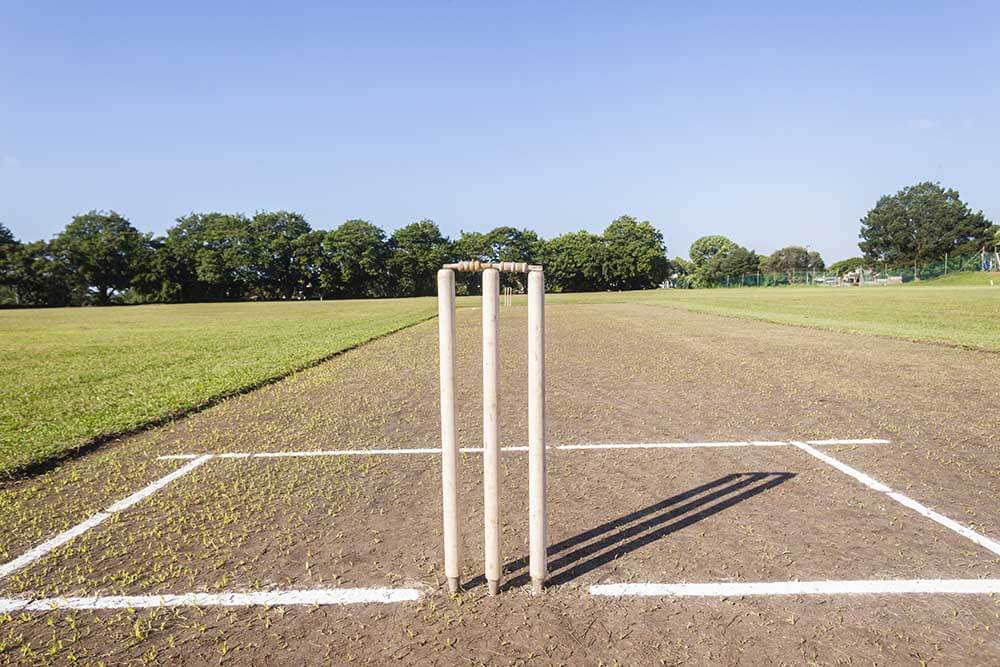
pixel 733 264
pixel 996 235
pixel 37 275
pixel 103 250
pixel 209 256
pixel 574 262
pixel 847 265
pixel 273 271
pixel 8 246
pixel 919 224
pixel 636 255
pixel 361 253
pixel 681 272
pixel 502 244
pixel 418 251
pixel 317 271
pixel 708 247
pixel 793 258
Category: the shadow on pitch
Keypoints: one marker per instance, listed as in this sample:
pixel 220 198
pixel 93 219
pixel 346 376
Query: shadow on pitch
pixel 582 553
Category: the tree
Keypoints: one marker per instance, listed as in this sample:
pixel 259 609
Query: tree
pixel 708 247
pixel 919 224
pixel 793 258
pixel 732 264
pixel 209 256
pixel 273 271
pixel 361 254
pixel 636 257
pixel 37 275
pixel 574 262
pixel 847 265
pixel 8 246
pixel 315 267
pixel 418 251
pixel 681 272
pixel 103 250
pixel 501 244
pixel 6 236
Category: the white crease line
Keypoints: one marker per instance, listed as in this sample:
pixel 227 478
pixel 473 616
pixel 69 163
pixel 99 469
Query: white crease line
pixel 519 448
pixel 858 441
pixel 125 503
pixel 670 445
pixel 864 587
pixel 870 482
pixel 978 538
pixel 329 596
pixel 97 519
pixel 54 543
pixel 906 501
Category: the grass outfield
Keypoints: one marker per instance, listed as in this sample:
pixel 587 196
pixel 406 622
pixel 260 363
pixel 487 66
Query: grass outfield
pixel 956 315
pixel 965 279
pixel 74 374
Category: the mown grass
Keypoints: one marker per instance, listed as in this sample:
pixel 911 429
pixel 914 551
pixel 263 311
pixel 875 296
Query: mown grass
pixel 956 315
pixel 73 375
pixel 964 279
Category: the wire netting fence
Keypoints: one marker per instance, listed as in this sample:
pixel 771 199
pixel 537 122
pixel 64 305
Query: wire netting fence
pixel 866 275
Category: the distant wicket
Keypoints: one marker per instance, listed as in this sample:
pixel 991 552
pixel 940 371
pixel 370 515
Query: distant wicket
pixel 491 421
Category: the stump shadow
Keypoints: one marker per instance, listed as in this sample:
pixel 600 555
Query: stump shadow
pixel 578 555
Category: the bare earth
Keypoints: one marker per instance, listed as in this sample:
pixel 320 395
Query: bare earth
pixel 615 373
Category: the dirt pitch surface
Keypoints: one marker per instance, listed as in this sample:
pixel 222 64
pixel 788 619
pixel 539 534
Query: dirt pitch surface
pixel 273 526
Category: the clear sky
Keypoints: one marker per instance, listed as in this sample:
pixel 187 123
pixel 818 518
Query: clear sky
pixel 771 124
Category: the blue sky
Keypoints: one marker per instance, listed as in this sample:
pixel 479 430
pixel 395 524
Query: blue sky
pixel 772 123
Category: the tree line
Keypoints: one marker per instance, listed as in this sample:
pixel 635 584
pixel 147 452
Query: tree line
pixel 101 258
pixel 916 227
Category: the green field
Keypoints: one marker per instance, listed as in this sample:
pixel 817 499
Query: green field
pixel 935 311
pixel 76 373
pixel 964 279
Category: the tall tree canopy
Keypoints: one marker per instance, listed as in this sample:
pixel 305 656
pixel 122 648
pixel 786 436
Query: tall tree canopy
pixel 708 247
pixel 636 257
pixel 104 250
pixel 716 259
pixel 209 255
pixel 847 265
pixel 793 258
pixel 574 262
pixel 418 251
pixel 6 236
pixel 273 271
pixel 361 254
pixel 919 224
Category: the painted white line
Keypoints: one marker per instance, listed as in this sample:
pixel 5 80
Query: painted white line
pixel 906 501
pixel 864 587
pixel 125 503
pixel 670 445
pixel 97 519
pixel 978 538
pixel 859 441
pixel 519 448
pixel 328 596
pixel 870 482
pixel 343 452
pixel 54 543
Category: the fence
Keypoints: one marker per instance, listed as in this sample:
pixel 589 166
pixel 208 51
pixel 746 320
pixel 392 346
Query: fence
pixel 873 275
